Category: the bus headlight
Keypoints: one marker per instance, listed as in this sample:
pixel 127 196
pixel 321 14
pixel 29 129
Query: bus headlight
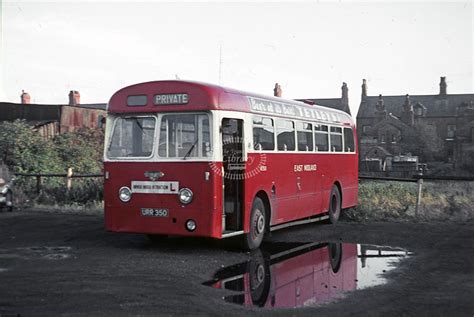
pixel 125 194
pixel 185 195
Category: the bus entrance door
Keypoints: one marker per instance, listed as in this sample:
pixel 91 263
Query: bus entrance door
pixel 234 169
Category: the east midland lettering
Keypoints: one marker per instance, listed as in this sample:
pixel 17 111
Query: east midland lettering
pixel 305 168
pixel 171 99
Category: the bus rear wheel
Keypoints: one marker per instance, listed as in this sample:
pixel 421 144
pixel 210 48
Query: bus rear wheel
pixel 334 204
pixel 254 237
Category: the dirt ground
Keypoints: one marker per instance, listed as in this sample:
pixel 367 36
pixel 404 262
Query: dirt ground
pixel 67 264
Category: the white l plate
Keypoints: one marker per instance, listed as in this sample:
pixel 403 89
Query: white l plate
pixel 148 187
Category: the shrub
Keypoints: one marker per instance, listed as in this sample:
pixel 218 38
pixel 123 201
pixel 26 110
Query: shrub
pixel 23 150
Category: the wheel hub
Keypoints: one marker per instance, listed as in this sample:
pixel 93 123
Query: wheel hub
pixel 260 223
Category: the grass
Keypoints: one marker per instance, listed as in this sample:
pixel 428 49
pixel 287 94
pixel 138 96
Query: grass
pixel 396 201
pixel 84 197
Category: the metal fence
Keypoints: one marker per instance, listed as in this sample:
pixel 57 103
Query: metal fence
pixel 69 175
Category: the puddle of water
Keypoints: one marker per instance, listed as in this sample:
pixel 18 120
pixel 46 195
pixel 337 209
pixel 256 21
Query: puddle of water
pixel 3 270
pixel 288 275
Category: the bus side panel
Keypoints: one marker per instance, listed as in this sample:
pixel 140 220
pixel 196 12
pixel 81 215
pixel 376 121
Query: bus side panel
pixel 297 192
pixel 341 168
pixel 303 183
pixel 255 180
pixel 351 181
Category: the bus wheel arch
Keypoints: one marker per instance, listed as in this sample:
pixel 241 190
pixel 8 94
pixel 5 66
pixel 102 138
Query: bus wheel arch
pixel 335 202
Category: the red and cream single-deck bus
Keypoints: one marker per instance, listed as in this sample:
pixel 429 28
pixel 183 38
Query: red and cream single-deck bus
pixel 192 159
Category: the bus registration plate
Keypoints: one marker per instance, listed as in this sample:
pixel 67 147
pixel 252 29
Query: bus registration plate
pixel 154 212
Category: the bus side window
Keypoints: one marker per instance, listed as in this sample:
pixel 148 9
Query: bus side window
pixel 263 134
pixel 349 145
pixel 336 139
pixel 321 138
pixel 304 136
pixel 285 135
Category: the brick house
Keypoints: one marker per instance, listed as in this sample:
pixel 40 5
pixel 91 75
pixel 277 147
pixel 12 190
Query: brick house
pixel 434 129
pixel 50 120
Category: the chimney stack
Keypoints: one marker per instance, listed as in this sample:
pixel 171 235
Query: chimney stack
pixel 380 111
pixel 408 115
pixel 25 97
pixel 74 98
pixel 443 87
pixel 345 95
pixel 364 89
pixel 277 90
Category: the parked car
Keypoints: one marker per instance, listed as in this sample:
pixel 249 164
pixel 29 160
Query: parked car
pixel 6 194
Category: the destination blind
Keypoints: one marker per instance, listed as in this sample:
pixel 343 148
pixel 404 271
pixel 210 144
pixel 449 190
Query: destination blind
pixel 171 99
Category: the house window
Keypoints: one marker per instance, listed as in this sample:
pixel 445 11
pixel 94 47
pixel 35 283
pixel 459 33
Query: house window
pixel 451 133
pixel 419 111
pixel 394 138
pixel 365 129
pixel 382 138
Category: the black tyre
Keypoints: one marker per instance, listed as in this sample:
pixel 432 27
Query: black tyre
pixel 334 204
pixel 254 237
pixel 9 201
pixel 335 255
pixel 259 275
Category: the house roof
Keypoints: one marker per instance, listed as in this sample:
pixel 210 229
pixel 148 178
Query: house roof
pixel 10 111
pixel 394 121
pixel 436 105
pixel 98 106
pixel 334 103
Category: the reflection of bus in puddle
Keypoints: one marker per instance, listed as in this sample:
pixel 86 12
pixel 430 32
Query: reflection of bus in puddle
pixel 296 275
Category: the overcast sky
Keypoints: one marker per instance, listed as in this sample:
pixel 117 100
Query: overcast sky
pixel 310 48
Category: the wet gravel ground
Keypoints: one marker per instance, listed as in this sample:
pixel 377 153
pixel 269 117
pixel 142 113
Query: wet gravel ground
pixel 67 264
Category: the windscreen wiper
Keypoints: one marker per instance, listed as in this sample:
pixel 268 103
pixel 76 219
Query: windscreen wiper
pixel 190 149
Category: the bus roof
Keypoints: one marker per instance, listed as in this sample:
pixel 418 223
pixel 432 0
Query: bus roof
pixel 179 95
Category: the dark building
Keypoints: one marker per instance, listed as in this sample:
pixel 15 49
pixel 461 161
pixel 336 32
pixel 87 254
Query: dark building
pixel 50 120
pixel 434 129
pixel 335 103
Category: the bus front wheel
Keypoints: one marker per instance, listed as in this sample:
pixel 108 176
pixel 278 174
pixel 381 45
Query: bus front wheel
pixel 334 204
pixel 254 237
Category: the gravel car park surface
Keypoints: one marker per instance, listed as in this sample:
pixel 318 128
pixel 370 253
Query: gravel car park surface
pixel 67 264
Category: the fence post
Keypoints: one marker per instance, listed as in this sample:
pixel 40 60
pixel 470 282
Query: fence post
pixel 69 178
pixel 38 184
pixel 419 184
